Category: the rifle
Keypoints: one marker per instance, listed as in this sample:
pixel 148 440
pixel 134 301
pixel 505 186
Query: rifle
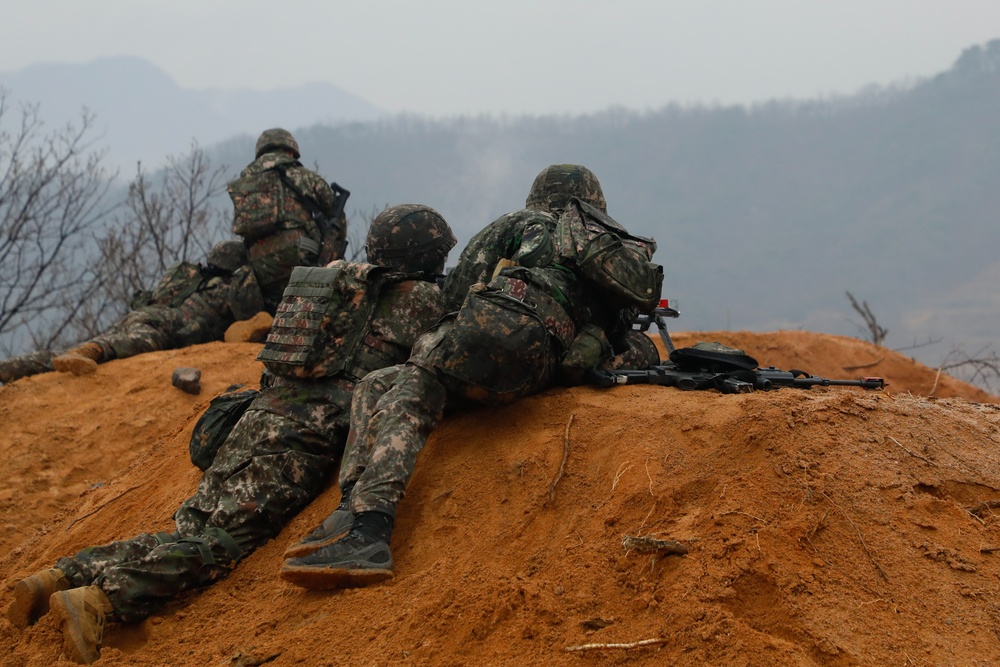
pixel 727 381
pixel 340 195
pixel 643 321
pixel 329 227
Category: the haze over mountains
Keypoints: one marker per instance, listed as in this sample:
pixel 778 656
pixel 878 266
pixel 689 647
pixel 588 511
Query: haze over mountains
pixel 765 215
pixel 145 116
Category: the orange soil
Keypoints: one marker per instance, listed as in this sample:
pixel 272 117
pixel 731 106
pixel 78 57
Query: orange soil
pixel 825 527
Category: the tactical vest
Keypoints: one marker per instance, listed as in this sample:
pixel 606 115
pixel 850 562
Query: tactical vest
pixel 263 204
pixel 605 254
pixel 322 325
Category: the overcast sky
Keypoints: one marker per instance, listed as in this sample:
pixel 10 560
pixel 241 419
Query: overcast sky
pixel 448 57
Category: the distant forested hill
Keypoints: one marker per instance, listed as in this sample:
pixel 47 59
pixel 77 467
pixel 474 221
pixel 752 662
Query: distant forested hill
pixel 765 215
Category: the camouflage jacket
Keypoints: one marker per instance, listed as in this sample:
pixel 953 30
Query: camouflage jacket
pixel 523 236
pixel 194 306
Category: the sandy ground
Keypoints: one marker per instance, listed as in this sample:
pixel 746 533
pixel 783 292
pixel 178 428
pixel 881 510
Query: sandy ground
pixel 827 526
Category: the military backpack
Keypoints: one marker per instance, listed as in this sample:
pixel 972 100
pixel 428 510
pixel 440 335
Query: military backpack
pixel 607 256
pixel 263 204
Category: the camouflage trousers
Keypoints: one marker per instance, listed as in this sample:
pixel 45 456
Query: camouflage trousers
pixel 147 329
pixel 395 409
pixel 268 469
pixel 33 363
pixel 393 412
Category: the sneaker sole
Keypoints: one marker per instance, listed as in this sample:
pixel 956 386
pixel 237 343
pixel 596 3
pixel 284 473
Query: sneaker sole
pixel 326 577
pixel 300 549
pixel 67 619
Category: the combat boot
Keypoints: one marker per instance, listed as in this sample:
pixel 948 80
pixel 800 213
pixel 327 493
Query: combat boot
pixel 334 527
pixel 79 360
pixel 80 613
pixel 359 559
pixel 31 596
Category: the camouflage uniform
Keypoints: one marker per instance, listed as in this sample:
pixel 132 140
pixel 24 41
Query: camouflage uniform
pixel 273 200
pixel 277 458
pixel 525 323
pixel 191 304
pixel 216 300
pixel 524 237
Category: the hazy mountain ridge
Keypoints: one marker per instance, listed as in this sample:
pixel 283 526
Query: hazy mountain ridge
pixel 145 116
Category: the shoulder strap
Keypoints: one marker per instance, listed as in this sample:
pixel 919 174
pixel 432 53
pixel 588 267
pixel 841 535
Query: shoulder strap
pixel 314 209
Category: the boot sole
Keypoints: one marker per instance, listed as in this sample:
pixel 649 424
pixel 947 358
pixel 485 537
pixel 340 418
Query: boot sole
pixel 326 578
pixel 29 605
pixel 67 618
pixel 300 549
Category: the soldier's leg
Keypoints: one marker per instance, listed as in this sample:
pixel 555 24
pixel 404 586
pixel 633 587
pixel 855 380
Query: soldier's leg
pixel 138 588
pixel 147 329
pixel 404 416
pixel 268 469
pixel 31 594
pixel 24 365
pixel 356 453
pixel 84 567
pixel 402 419
pixel 358 448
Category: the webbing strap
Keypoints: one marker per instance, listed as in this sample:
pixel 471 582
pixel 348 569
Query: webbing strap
pixel 227 541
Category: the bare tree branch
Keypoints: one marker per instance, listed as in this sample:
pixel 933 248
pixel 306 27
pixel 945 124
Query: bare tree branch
pixel 52 192
pixel 876 332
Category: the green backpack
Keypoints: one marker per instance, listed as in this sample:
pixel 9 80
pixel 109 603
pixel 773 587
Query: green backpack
pixel 606 255
pixel 263 204
pixel 214 426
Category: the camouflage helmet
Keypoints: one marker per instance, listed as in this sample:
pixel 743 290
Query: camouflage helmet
pixel 409 237
pixel 557 183
pixel 228 256
pixel 276 138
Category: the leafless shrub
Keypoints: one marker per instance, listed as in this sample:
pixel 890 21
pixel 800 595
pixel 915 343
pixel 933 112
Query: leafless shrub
pixel 167 219
pixel 52 197
pixel 981 369
pixel 876 333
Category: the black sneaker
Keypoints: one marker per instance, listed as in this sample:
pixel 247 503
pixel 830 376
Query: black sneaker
pixel 332 529
pixel 355 560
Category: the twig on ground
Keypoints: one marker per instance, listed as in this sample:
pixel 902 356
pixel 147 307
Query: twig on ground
pixel 916 456
pixel 562 465
pixel 976 509
pixel 936 379
pixel 651 544
pixel 101 506
pixel 860 536
pixel 639 644
pixel 618 475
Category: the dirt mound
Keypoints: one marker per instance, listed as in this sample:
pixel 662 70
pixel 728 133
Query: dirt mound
pixel 823 527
